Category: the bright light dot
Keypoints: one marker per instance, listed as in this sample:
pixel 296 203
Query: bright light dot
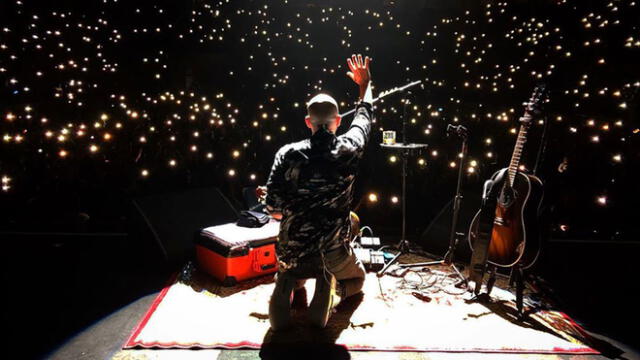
pixel 392 158
pixel 602 200
pixel 232 172
pixel 252 176
pixel 394 199
pixel 144 172
pixel 617 158
pixel 452 164
pixel 93 148
pixel 62 153
pixel 373 197
pixel 421 161
pixel 172 163
pixel 473 163
pixel 471 169
pixel 236 153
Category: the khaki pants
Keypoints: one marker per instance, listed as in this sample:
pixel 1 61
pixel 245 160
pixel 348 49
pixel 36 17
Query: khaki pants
pixel 345 273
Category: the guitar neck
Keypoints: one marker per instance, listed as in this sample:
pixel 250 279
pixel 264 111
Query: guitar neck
pixel 517 150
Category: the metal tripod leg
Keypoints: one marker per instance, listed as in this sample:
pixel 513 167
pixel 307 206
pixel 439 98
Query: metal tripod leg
pixel 391 262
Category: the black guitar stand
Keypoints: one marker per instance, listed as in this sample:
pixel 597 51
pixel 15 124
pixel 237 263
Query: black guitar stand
pixel 517 278
pixel 463 133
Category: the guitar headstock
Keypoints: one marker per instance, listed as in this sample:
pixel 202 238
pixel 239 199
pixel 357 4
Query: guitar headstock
pixel 535 103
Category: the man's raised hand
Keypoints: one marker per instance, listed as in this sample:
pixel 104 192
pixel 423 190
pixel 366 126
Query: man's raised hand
pixel 359 73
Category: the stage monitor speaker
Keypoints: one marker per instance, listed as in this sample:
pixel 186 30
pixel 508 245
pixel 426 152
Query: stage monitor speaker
pixel 174 218
pixel 435 237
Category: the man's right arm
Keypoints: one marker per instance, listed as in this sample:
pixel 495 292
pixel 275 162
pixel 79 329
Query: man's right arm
pixel 360 129
pixel 366 93
pixel 358 134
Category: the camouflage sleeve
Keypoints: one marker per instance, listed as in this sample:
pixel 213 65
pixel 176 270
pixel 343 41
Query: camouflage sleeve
pixel 276 184
pixel 360 129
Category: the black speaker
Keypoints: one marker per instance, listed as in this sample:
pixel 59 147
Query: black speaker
pixel 435 237
pixel 174 218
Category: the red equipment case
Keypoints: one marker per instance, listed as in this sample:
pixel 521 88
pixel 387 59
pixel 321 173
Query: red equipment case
pixel 232 253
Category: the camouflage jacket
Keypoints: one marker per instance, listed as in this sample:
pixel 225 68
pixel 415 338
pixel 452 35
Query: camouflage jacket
pixel 311 183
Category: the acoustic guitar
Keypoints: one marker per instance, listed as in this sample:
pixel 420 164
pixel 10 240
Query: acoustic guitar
pixel 515 236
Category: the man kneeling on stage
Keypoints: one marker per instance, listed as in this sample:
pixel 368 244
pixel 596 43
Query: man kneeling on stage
pixel 311 187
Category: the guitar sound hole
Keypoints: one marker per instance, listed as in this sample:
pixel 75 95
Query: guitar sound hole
pixel 507 197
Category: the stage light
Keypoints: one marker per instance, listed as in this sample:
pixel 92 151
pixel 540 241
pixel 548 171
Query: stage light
pixel 373 197
pixel 394 199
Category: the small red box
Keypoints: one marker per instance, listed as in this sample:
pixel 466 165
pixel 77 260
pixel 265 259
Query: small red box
pixel 232 253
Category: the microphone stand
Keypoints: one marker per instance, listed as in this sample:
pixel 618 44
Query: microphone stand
pixel 403 245
pixel 461 132
pixel 386 93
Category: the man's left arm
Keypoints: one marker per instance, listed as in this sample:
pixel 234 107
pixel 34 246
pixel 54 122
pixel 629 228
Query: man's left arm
pixel 276 186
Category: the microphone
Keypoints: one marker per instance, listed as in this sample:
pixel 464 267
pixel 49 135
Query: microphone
pixel 458 130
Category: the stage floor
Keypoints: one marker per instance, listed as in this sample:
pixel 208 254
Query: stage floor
pixel 105 338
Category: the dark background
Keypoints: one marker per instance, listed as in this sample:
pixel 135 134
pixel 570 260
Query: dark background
pixel 75 246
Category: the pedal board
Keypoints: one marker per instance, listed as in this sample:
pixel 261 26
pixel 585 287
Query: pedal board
pixel 370 242
pixel 371 259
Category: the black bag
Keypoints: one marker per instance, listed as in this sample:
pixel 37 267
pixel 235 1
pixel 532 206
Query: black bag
pixel 249 218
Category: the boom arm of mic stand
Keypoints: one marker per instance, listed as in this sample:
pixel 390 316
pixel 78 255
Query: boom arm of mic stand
pixel 386 93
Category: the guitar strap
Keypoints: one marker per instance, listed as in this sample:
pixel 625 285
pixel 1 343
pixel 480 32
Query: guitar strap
pixel 485 227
